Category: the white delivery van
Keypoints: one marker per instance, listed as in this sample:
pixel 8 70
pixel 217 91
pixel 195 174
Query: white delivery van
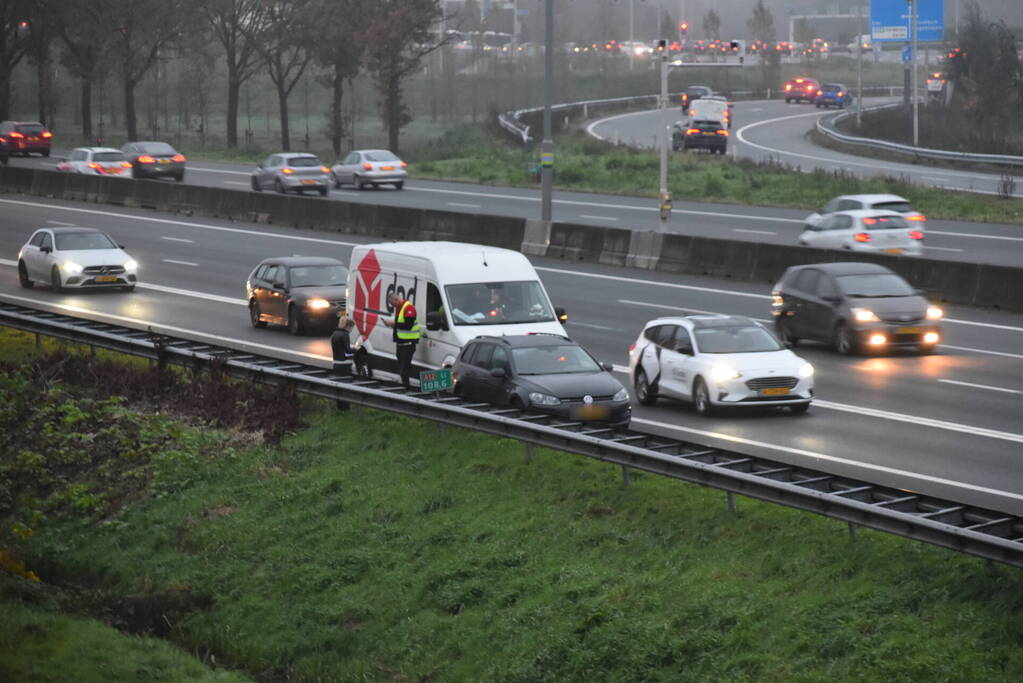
pixel 711 108
pixel 460 291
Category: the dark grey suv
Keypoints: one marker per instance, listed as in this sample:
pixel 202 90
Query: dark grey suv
pixel 855 307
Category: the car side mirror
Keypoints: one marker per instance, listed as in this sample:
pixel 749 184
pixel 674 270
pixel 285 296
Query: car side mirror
pixel 607 367
pixel 684 350
pixel 831 299
pixel 919 292
pixel 435 320
pixel 279 285
pixel 120 246
pixel 46 250
pixel 498 372
pixel 562 314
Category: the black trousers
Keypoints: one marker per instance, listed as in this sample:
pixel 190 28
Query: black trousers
pixel 405 351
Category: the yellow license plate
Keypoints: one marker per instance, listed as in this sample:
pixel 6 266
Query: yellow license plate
pixel 164 161
pixel 908 330
pixel 893 251
pixel 308 182
pixel 774 391
pixel 592 412
pixel 106 278
pixel 387 168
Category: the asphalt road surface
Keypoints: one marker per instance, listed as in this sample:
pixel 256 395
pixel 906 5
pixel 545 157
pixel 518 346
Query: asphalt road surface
pixel 950 424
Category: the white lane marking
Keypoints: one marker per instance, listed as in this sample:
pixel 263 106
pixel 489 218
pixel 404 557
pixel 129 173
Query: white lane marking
pixel 181 263
pixel 167 221
pixel 755 232
pixel 196 295
pixel 970 234
pixel 598 218
pixel 216 170
pixel 832 458
pixel 595 327
pixel 349 193
pixel 941 248
pixel 933 179
pixel 176 239
pixel 757 109
pixel 136 322
pixel 468 206
pixel 920 421
pixel 980 386
pixel 990 353
pixel 235 182
pixel 676 308
pixel 590 128
pixel 58 223
pixel 318 240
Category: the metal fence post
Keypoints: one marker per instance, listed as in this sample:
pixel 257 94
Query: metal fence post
pixel 528 448
pixel 853 531
pixel 731 501
pixel 625 475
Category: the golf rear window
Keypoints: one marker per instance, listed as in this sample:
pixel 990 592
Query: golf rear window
pixel 158 148
pixel 30 128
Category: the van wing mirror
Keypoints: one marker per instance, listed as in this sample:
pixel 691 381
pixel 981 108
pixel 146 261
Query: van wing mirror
pixel 562 314
pixel 435 320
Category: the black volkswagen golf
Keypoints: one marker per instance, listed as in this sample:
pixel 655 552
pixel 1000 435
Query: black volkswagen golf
pixel 301 292
pixel 544 372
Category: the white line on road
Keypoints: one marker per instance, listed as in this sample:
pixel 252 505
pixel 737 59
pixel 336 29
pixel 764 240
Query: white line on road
pixel 58 223
pixel 635 281
pixel 598 218
pixel 755 232
pixel 176 239
pixel 757 109
pixel 831 458
pixel 181 263
pixel 990 353
pixel 971 234
pixel 468 206
pixel 595 327
pixel 217 170
pixel 941 248
pixel 980 386
pixel 235 182
pixel 348 193
pixel 196 295
pixel 678 309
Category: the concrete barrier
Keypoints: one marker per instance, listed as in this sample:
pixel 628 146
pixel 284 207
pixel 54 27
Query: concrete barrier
pixel 950 281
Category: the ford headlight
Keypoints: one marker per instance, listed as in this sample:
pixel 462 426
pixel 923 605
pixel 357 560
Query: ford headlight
pixel 622 395
pixel 71 267
pixel 318 304
pixel 538 399
pixel 130 264
pixel 720 373
pixel 806 370
pixel 864 315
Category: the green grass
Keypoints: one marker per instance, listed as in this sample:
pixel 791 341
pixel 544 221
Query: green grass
pixel 374 547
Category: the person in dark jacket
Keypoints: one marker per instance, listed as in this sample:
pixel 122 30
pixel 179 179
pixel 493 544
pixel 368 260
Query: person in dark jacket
pixel 341 346
pixel 406 335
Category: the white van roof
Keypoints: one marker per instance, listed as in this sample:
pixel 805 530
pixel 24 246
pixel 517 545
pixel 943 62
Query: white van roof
pixel 461 262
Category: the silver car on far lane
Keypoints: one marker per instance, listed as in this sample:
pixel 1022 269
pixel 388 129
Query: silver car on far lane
pixel 370 167
pixel 291 172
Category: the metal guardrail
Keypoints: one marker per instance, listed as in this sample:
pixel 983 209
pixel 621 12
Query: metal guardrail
pixel 826 127
pixel 976 531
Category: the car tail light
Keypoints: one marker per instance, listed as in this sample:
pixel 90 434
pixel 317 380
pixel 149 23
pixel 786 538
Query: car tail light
pixel 287 171
pixel 788 86
pixel 869 221
pixel 368 166
pixel 809 88
pixel 126 164
pixel 15 135
pixel 94 165
pixel 324 169
pixel 47 134
pixel 146 159
pixel 819 93
pixel 723 132
pixel 841 94
pixel 404 165
pixel 915 235
pixel 916 217
pixel 692 131
pixel 632 348
pixel 180 158
pixel 862 237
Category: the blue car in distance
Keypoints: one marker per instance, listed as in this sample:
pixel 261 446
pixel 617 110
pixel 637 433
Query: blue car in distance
pixel 833 95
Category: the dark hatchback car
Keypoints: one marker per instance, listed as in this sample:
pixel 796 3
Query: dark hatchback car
pixel 855 307
pixel 302 292
pixel 693 93
pixel 543 372
pixel 709 135
pixel 26 137
pixel 154 160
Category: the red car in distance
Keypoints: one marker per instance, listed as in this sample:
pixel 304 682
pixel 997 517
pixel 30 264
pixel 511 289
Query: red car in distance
pixel 26 137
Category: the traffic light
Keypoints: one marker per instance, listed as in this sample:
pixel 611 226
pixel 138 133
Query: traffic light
pixel 662 46
pixel 684 28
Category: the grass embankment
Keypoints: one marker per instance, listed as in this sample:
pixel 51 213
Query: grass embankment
pixel 372 547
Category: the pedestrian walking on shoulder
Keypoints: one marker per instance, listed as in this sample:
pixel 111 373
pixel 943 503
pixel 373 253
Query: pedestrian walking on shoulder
pixel 341 346
pixel 406 335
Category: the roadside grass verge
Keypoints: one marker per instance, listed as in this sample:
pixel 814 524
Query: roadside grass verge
pixel 588 165
pixel 371 546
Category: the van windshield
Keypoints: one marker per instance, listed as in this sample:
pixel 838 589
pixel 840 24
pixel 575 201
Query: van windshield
pixel 499 303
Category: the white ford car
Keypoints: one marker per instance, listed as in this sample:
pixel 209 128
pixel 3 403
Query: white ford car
pixel 714 361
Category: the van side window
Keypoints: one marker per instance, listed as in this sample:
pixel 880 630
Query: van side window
pixel 433 300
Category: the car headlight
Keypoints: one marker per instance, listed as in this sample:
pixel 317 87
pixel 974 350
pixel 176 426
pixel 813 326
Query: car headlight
pixel 622 395
pixel 806 370
pixel 934 312
pixel 318 304
pixel 865 315
pixel 130 264
pixel 71 267
pixel 538 399
pixel 720 373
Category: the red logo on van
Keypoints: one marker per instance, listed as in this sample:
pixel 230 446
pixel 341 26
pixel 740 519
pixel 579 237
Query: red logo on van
pixel 367 293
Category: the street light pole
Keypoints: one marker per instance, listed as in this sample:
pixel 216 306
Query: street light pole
pixel 665 133
pixel 859 66
pixel 916 101
pixel 547 146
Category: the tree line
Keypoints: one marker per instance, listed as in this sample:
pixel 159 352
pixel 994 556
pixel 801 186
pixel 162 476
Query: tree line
pixel 282 39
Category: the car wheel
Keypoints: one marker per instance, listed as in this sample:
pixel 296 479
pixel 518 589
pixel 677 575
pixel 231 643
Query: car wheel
pixel 398 185
pixel 701 398
pixel 180 177
pixel 279 186
pixel 516 403
pixel 255 317
pixel 818 106
pixel 55 283
pixel 295 325
pixel 323 191
pixel 255 185
pixel 786 336
pixel 845 341
pixel 335 181
pixel 23 276
pixel 358 183
pixel 800 408
pixel 645 394
pixel 788 101
pixel 46 153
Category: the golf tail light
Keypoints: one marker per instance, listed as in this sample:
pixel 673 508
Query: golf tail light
pixel 146 159
pixel 693 131
pixel 180 158
pixel 917 217
pixel 368 166
pixel 862 237
pixel 287 171
pixel 404 165
pixel 916 235
pixel 877 339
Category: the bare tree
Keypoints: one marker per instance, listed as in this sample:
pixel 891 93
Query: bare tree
pixel 397 39
pixel 15 20
pixel 282 46
pixel 81 30
pixel 236 25
pixel 712 25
